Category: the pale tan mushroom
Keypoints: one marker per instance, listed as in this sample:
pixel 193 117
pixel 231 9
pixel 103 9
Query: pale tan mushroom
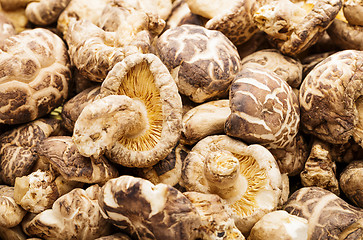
pixel 246 177
pixel 203 62
pixel 353 10
pixel 345 35
pixel 7 28
pixel 350 181
pixel 45 12
pixel 17 18
pixel 147 211
pixel 137 119
pixel 15 4
pixel 11 214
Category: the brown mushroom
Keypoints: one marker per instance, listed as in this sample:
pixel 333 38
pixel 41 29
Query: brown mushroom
pixel 246 177
pixel 137 119
pixel 7 28
pixel 353 10
pixel 350 181
pixel 15 233
pixel 346 36
pixel 35 75
pixel 11 214
pixel 18 147
pixel 116 236
pixel 293 28
pixel 203 62
pixel 15 4
pixel 354 231
pixel 327 214
pixel 330 98
pixel 148 211
pixel 45 12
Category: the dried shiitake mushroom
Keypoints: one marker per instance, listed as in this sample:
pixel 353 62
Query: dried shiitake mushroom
pixel 327 214
pixel 34 77
pixel 45 12
pixel 294 26
pixel 350 182
pixel 18 153
pixel 280 225
pixel 62 154
pixel 246 177
pixel 9 5
pixel 353 10
pixel 204 120
pixel 203 62
pixel 116 236
pixel 137 119
pixel 7 28
pixel 345 35
pixel 354 231
pixel 288 68
pixel 234 19
pixel 75 215
pixel 11 214
pixel 15 233
pixel 147 211
pixel 330 98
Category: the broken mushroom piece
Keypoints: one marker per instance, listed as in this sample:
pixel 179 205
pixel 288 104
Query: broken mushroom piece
pixel 346 36
pixel 147 211
pixel 294 26
pixel 217 222
pixel 75 215
pixel 137 119
pixel 203 62
pixel 35 71
pixel 246 177
pixel 204 120
pixel 11 214
pixel 327 214
pixel 350 182
pixel 330 98
pixel 62 154
pixel 45 12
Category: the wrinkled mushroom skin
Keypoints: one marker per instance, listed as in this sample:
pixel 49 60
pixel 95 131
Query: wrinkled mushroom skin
pixel 327 214
pixel 346 36
pixel 148 211
pixel 45 12
pixel 203 62
pixel 350 181
pixel 35 75
pixel 264 109
pixel 329 98
pixel 11 214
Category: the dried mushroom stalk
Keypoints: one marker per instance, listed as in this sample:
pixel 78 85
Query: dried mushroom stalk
pixel 45 12
pixel 148 211
pixel 11 214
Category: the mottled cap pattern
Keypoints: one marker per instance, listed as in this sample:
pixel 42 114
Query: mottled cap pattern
pixel 328 97
pixel 34 77
pixel 264 109
pixel 148 211
pixel 203 62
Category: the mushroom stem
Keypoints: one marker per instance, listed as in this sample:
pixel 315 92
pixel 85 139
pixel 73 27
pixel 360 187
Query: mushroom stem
pixel 222 171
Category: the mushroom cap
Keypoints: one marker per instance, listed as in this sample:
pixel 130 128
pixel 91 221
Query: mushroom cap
pixel 288 68
pixel 353 10
pixel 35 75
pixel 18 147
pixel 354 231
pixel 148 211
pixel 75 215
pixel 116 236
pixel 292 29
pixel 11 214
pixel 280 225
pixel 328 97
pixel 204 120
pixel 327 214
pixel 6 27
pixel 12 233
pixel 45 12
pixel 346 36
pixel 264 109
pixel 258 180
pixel 203 62
pixel 144 78
pixel 350 182
pixel 64 157
pixel 9 5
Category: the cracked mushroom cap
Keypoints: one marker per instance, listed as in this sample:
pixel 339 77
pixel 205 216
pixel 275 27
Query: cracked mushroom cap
pixel 204 120
pixel 75 215
pixel 203 62
pixel 234 19
pixel 148 211
pixel 35 75
pixel 345 35
pixel 295 26
pixel 11 214
pixel 327 214
pixel 330 101
pixel 288 68
pixel 64 157
pixel 353 10
pixel 143 109
pixel 18 153
pixel 264 109
pixel 217 221
pixel 246 177
pixel 45 12
pixel 350 182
